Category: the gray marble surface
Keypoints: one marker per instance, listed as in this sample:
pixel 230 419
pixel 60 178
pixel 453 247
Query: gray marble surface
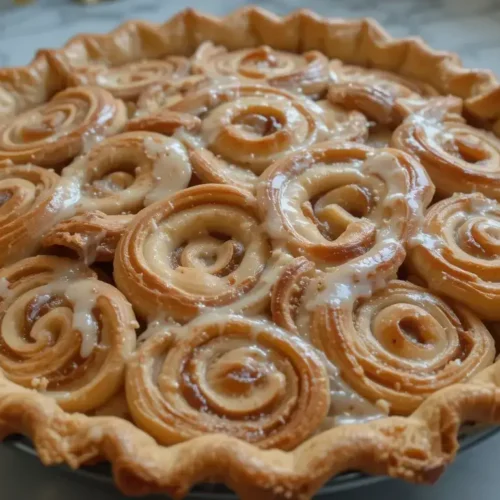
pixel 469 27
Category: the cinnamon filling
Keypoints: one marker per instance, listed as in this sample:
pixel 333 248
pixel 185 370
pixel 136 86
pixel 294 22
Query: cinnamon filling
pixel 111 183
pixel 259 124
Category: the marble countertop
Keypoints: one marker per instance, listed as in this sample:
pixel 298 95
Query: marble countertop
pixel 469 27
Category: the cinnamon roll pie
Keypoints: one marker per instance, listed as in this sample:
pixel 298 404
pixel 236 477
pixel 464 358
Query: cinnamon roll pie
pixel 307 73
pixel 255 250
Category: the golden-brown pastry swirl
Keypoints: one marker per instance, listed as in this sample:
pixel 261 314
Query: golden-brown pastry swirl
pixel 246 378
pixel 288 294
pixel 201 248
pixel 128 81
pixel 459 158
pixel 92 236
pixel 458 252
pixel 164 122
pixel 307 73
pixel 402 344
pixel 32 199
pixel 382 96
pixel 335 202
pixel 34 272
pixel 127 171
pixel 54 133
pixel 64 332
pixel 397 85
pixel 167 93
pixel 242 129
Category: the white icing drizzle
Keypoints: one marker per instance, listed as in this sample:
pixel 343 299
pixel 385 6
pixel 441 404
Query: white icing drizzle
pixel 92 242
pixel 90 139
pixel 7 105
pixel 385 166
pixel 83 295
pixel 429 241
pixel 483 206
pixel 257 294
pixel 300 117
pixel 433 119
pixel 357 279
pixel 157 326
pixel 4 288
pixel 65 198
pixel 172 169
pixel 347 406
pixel 76 271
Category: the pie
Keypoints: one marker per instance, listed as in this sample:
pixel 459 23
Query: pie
pixel 253 250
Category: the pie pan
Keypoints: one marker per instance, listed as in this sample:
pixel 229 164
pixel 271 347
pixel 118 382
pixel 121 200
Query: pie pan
pixel 102 473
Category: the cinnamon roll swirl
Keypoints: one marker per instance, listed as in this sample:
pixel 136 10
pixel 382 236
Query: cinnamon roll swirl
pixel 382 96
pixel 307 73
pixel 457 252
pixel 128 81
pixel 244 128
pixel 125 172
pixel 33 272
pixel 246 378
pixel 201 248
pixel 333 203
pixel 458 157
pixel 56 132
pixel 167 93
pixel 68 337
pixel 32 200
pixel 402 344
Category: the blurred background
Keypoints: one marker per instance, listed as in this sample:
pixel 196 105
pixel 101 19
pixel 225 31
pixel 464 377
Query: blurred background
pixel 469 27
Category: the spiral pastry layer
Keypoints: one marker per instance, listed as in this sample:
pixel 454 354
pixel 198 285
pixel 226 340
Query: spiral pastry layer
pixel 382 96
pixel 125 172
pixel 167 93
pixel 54 133
pixel 335 202
pixel 402 344
pixel 203 247
pixel 128 81
pixel 246 378
pixel 33 272
pixel 307 73
pixel 242 129
pixel 459 158
pixel 69 337
pixel 457 252
pixel 32 199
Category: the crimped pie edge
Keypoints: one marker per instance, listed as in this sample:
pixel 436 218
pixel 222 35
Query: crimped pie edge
pixel 416 448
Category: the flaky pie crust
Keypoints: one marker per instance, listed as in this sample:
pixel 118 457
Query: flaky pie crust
pixel 416 448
